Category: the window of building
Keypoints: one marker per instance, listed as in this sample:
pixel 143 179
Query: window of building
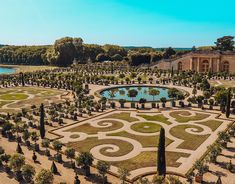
pixel 225 66
pixel 180 67
pixel 205 66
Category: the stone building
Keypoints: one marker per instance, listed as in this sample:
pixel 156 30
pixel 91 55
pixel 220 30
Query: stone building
pixel 202 61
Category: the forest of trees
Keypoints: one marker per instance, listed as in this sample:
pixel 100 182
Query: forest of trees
pixel 66 50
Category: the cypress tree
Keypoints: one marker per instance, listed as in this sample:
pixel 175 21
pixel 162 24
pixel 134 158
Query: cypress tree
pixel 42 123
pixel 54 168
pixel 172 71
pixel 161 159
pixel 228 103
pixel 19 149
pixel 22 79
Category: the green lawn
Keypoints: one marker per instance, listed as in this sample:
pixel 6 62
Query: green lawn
pixel 89 129
pixel 2 103
pixel 123 116
pixel 149 159
pixel 191 141
pixel 213 124
pixel 185 116
pixel 146 141
pixel 146 127
pixel 160 118
pixel 88 144
pixel 12 96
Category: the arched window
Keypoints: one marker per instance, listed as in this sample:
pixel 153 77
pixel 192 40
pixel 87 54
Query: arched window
pixel 225 66
pixel 205 66
pixel 180 67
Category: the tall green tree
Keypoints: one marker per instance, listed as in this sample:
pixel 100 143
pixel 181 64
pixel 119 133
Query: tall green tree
pixel 225 43
pixel 161 159
pixel 42 121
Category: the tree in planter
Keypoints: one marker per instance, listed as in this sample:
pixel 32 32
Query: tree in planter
pixel 181 97
pixel 122 102
pixel 229 166
pixel 42 121
pixel 142 101
pixel 214 151
pixel 223 138
pixel 54 169
pixel 202 168
pixel 46 143
pixel 132 94
pixel 172 93
pixel 153 93
pixel 163 100
pixel 228 103
pixel 26 135
pixel 123 174
pixel 85 160
pixel 211 103
pixel 112 94
pixel 70 153
pixel 28 173
pixel 57 145
pixel 103 167
pixel 161 159
pixel 16 163
pixel 35 138
pixel 199 100
pixel 190 176
pixel 44 177
pixel 139 79
pixel 194 92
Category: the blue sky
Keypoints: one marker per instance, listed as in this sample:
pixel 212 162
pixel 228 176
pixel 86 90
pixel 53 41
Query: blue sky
pixel 157 23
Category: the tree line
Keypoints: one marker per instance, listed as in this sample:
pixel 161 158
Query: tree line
pixel 67 50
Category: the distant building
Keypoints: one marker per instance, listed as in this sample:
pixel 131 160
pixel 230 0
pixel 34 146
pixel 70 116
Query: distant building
pixel 202 61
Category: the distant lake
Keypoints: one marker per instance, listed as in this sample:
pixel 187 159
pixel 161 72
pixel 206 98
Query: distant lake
pixel 4 70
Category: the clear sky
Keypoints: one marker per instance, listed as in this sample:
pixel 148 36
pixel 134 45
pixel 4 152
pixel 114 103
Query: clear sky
pixel 157 23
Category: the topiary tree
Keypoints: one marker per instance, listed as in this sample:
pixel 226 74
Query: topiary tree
pixel 54 169
pixel 103 167
pixel 70 153
pixel 44 177
pixel 28 173
pixel 16 163
pixel 123 174
pixel 161 159
pixel 19 149
pixel 85 160
pixel 57 145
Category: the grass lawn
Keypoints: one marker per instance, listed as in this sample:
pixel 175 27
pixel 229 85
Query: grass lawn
pixel 89 129
pixel 123 116
pixel 149 159
pixel 88 144
pixel 146 141
pixel 146 127
pixel 191 141
pixel 213 124
pixel 185 116
pixel 74 136
pixel 160 118
pixel 11 96
pixel 2 103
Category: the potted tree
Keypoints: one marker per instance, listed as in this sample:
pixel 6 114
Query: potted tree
pixel 132 94
pixel 153 93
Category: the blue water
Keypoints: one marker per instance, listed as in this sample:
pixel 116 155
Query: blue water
pixel 143 92
pixel 7 70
